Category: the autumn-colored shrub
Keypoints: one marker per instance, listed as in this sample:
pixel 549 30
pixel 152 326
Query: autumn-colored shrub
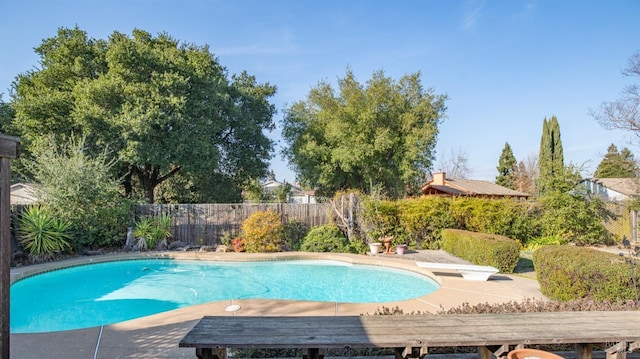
pixel 568 273
pixel 482 249
pixel 263 232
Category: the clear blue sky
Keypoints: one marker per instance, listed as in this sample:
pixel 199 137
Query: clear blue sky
pixel 505 64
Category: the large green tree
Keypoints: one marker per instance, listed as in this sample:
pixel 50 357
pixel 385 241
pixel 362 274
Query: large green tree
pixel 617 164
pixel 379 134
pixel 163 108
pixel 6 116
pixel 550 159
pixel 507 168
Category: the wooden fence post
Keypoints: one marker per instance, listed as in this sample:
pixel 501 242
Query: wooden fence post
pixel 9 149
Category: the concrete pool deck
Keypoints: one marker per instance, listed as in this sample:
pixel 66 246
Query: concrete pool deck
pixel 157 336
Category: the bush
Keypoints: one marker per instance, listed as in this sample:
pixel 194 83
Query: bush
pixel 41 233
pixel 569 273
pixel 576 219
pixel 507 217
pixel 482 249
pixel 294 233
pixel 326 238
pixel 380 218
pixel 80 189
pixel 536 243
pixel 263 232
pixel 424 218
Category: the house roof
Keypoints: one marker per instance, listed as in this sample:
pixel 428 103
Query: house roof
pixel 627 186
pixel 23 193
pixel 271 185
pixel 468 187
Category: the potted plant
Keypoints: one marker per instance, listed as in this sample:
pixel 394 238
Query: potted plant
pixel 238 244
pixel 387 240
pixel 400 248
pixel 375 247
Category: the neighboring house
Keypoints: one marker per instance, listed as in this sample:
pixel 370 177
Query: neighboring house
pixel 611 189
pixel 296 194
pixel 300 196
pixel 23 193
pixel 443 186
pixel 616 192
pixel 271 185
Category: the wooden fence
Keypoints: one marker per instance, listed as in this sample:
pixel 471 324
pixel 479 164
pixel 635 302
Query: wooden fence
pixel 205 224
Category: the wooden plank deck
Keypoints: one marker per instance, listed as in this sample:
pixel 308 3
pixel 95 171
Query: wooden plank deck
pixel 412 335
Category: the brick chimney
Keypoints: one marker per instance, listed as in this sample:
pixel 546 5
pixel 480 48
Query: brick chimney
pixel 439 178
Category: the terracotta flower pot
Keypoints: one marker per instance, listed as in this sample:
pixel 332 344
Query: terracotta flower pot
pixel 531 354
pixel 375 247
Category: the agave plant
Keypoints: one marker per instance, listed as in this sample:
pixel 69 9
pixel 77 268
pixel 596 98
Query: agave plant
pixel 163 228
pixel 152 230
pixel 43 234
pixel 143 231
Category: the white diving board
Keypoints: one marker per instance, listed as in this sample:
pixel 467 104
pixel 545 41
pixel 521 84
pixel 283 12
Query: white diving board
pixel 468 271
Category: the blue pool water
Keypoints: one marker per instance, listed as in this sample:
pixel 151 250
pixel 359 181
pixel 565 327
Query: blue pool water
pixel 107 293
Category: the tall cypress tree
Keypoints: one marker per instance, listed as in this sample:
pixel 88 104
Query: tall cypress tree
pixel 507 168
pixel 551 158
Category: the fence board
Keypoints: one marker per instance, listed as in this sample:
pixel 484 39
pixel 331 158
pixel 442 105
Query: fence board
pixel 205 224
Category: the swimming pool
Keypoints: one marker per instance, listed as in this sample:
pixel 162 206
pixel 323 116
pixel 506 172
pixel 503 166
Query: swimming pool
pixel 106 293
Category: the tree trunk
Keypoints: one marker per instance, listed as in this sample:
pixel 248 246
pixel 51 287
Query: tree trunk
pixel 150 178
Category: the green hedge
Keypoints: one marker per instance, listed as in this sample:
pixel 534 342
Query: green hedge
pixel 482 249
pixel 424 218
pixel 419 221
pixel 569 273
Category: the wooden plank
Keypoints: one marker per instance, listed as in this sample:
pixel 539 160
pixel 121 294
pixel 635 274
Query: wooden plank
pixel 9 146
pixel 5 253
pixel 9 149
pixel 416 331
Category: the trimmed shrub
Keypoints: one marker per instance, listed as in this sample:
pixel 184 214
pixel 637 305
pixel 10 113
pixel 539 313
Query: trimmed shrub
pixel 482 249
pixel 326 238
pixel 569 273
pixel 263 232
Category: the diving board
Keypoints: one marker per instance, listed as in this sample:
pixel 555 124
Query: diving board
pixel 468 271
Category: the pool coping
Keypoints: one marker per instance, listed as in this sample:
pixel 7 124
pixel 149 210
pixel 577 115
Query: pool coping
pixel 20 273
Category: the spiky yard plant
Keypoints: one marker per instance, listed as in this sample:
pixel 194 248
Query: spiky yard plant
pixel 41 233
